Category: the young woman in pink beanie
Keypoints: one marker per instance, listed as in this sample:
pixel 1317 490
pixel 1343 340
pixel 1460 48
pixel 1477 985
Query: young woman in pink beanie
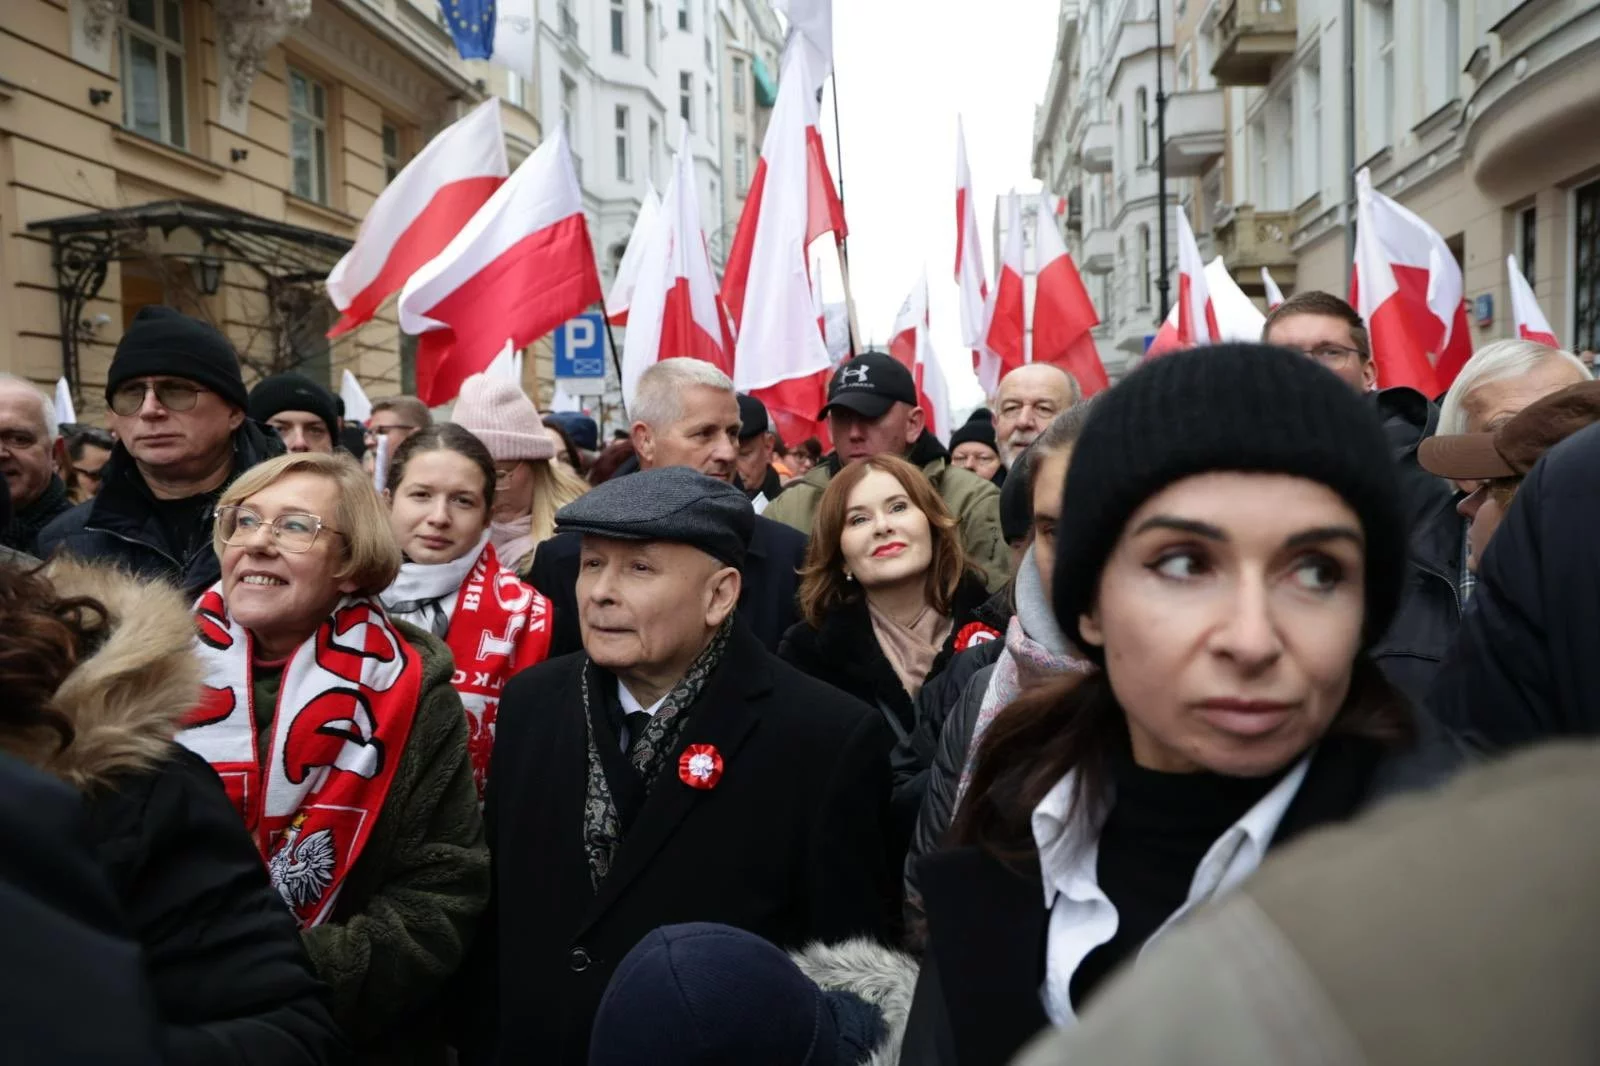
pixel 529 486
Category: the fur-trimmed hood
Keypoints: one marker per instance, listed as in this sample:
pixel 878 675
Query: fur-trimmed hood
pixel 884 978
pixel 128 698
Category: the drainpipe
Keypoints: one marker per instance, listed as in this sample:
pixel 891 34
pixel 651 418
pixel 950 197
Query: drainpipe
pixel 1349 18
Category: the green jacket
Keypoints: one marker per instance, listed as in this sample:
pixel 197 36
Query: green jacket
pixel 408 908
pixel 974 501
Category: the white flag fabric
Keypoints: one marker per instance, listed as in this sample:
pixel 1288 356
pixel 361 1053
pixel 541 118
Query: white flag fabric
pixel 504 365
pixel 812 20
pixel 1238 317
pixel 971 275
pixel 357 408
pixel 563 402
pixel 1525 313
pixel 513 37
pixel 910 345
pixel 65 414
pixel 380 463
pixel 621 296
pixel 1274 294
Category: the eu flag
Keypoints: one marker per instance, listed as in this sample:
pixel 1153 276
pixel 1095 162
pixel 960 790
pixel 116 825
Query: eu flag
pixel 471 24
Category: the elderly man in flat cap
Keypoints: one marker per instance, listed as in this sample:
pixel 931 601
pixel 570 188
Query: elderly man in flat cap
pixel 672 771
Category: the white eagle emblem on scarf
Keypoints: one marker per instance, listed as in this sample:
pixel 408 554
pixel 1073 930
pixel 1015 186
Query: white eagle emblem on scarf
pixel 302 870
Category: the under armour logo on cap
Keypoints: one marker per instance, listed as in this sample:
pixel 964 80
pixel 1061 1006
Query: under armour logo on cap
pixel 853 375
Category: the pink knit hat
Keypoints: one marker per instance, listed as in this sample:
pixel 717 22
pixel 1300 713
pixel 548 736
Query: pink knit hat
pixel 501 415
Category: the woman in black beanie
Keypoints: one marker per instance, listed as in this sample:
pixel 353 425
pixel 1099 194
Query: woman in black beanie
pixel 1230 544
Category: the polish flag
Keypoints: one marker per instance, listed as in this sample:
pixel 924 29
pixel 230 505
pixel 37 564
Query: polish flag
pixel 1063 314
pixel 676 309
pixel 1003 348
pixel 970 273
pixel 1193 319
pixel 780 356
pixel 416 216
pixel 909 343
pixel 522 266
pixel 621 295
pixel 1407 286
pixel 1530 321
pixel 1238 317
pixel 1274 294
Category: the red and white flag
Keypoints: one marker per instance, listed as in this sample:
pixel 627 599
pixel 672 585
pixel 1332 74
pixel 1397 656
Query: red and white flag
pixel 1193 319
pixel 1530 321
pixel 812 20
pixel 971 276
pixel 412 220
pixel 780 356
pixel 1407 285
pixel 1004 340
pixel 676 308
pixel 1270 287
pixel 621 296
pixel 1063 314
pixel 519 269
pixel 909 344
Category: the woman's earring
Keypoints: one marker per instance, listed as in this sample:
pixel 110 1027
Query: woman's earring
pixel 848 576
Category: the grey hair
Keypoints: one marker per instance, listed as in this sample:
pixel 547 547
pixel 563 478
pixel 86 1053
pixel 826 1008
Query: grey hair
pixel 658 398
pixel 1496 362
pixel 47 404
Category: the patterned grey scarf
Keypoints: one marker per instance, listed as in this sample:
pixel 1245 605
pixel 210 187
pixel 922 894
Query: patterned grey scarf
pixel 602 828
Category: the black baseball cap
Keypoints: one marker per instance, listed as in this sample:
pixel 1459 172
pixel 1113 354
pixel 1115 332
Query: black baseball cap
pixel 753 420
pixel 869 385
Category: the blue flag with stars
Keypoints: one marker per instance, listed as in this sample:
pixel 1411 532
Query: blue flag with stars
pixel 471 24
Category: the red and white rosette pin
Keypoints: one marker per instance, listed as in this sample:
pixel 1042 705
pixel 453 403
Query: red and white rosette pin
pixel 700 766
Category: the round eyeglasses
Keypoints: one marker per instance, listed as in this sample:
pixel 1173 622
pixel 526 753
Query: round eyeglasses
pixel 290 532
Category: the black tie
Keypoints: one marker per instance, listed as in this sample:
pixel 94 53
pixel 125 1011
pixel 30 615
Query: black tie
pixel 636 722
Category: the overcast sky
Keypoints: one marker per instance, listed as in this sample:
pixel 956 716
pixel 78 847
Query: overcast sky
pixel 905 69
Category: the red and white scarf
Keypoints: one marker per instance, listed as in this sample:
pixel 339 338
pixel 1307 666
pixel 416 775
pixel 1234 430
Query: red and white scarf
pixel 344 713
pixel 499 624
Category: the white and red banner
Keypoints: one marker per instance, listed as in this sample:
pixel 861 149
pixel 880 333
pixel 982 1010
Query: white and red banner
pixel 971 275
pixel 1525 313
pixel 1270 287
pixel 419 212
pixel 1407 286
pixel 1004 345
pixel 780 355
pixel 522 266
pixel 909 344
pixel 1063 314
pixel 676 308
pixel 621 296
pixel 1193 318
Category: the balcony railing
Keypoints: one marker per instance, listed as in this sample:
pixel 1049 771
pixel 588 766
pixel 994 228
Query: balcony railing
pixel 1252 37
pixel 1100 251
pixel 1248 239
pixel 1195 134
pixel 569 22
pixel 1094 154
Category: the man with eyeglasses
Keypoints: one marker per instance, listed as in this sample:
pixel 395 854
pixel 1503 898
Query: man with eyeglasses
pixel 396 417
pixel 178 410
pixel 302 412
pixel 1323 327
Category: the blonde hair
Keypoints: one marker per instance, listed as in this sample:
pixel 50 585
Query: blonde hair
pixel 554 486
pixel 371 558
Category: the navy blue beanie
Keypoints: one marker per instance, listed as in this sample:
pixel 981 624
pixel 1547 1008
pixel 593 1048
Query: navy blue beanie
pixel 712 995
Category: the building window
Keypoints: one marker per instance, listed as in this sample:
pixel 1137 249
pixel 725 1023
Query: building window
pixel 1528 242
pixel 1311 102
pixel 741 165
pixel 1586 268
pixel 655 149
pixel 619 27
pixel 1122 144
pixel 152 71
pixel 686 98
pixel 308 136
pixel 683 15
pixel 1380 74
pixel 650 35
pixel 1443 74
pixel 623 168
pixel 1144 266
pixel 516 89
pixel 569 104
pixel 1141 119
pixel 391 152
pixel 738 84
pixel 1186 69
pixel 711 63
pixel 711 114
pixel 1258 145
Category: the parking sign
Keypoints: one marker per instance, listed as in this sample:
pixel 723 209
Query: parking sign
pixel 580 347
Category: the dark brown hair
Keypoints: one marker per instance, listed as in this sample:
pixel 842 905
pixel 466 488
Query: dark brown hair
pixel 610 458
pixel 822 583
pixel 444 437
pixel 46 638
pixel 1074 723
pixel 1316 302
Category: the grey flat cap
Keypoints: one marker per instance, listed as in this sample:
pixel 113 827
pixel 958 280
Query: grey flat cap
pixel 672 503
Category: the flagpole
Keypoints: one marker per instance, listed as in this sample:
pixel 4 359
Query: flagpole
pixel 844 240
pixel 1162 284
pixel 616 360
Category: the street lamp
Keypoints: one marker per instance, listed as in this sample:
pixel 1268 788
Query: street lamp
pixel 210 271
pixel 1161 168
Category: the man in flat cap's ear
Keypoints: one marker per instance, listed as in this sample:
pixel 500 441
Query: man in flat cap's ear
pixel 672 771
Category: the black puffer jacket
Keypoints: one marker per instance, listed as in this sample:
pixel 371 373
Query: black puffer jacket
pixel 119 526
pixel 232 984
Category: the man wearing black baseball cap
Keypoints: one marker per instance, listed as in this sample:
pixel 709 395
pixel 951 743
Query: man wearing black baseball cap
pixel 177 404
pixel 872 410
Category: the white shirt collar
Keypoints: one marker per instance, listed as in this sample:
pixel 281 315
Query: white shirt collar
pixel 631 705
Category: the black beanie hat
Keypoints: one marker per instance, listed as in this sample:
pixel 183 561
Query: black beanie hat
pixel 294 392
pixel 162 340
pixel 1238 407
pixel 979 427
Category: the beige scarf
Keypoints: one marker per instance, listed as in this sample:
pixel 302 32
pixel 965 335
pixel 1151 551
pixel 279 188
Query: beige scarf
pixel 910 649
